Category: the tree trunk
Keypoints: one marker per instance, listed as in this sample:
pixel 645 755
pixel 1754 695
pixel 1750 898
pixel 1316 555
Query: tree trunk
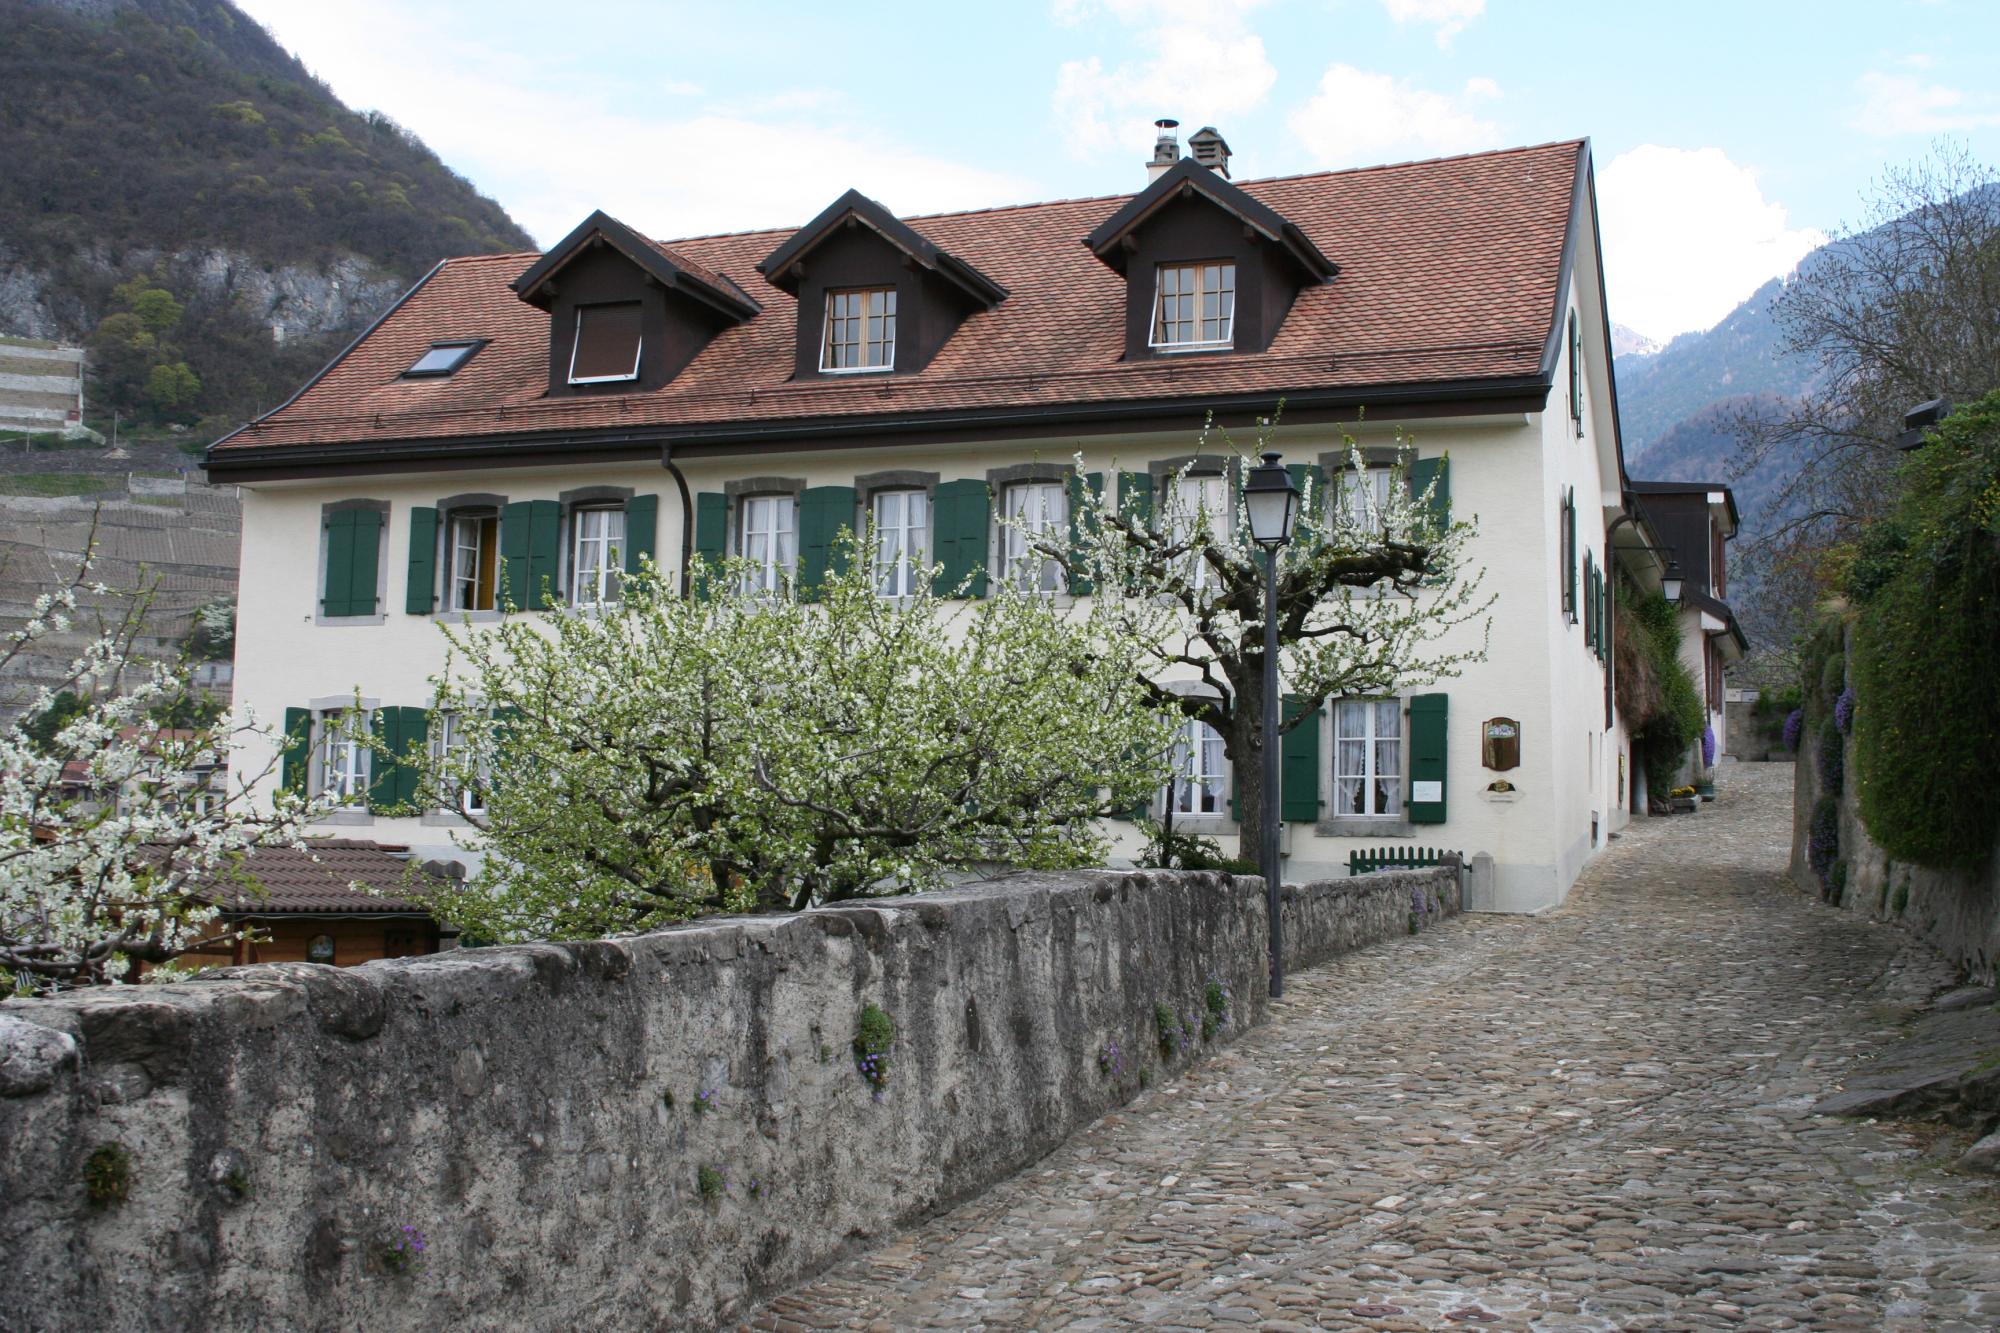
pixel 1244 744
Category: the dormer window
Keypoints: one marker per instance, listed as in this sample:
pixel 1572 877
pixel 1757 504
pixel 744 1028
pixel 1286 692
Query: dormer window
pixel 860 330
pixel 443 358
pixel 608 342
pixel 1195 309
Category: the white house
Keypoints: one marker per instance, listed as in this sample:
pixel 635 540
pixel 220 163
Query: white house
pixel 558 415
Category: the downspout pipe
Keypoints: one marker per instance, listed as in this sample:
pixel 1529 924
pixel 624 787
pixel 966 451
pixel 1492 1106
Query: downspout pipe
pixel 687 515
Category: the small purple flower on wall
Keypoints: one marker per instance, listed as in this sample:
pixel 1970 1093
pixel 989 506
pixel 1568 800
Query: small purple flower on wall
pixel 1708 747
pixel 1843 711
pixel 1795 725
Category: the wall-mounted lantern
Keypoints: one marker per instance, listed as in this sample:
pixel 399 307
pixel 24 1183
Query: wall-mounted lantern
pixel 1500 743
pixel 319 949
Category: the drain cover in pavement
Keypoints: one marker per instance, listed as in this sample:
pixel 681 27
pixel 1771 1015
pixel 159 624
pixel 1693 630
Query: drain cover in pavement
pixel 1376 1311
pixel 1473 1315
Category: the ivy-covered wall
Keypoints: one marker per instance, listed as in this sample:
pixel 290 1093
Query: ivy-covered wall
pixel 1957 911
pixel 647 1132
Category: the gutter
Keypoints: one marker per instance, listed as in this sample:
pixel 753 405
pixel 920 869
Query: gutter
pixel 687 515
pixel 1526 393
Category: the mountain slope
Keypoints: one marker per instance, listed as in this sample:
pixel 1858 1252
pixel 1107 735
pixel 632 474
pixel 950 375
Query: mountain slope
pixel 172 146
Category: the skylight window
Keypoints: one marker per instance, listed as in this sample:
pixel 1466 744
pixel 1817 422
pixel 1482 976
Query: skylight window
pixel 442 359
pixel 608 340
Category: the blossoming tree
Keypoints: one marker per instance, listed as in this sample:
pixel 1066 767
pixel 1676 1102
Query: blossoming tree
pixel 1370 590
pixel 664 756
pixel 110 821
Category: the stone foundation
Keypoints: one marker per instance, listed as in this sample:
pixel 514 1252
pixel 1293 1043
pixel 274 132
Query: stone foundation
pixel 546 1115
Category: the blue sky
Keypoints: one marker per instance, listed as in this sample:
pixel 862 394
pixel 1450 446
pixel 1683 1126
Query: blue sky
pixel 1729 137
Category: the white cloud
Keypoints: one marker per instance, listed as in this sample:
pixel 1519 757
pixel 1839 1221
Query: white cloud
pixel 552 141
pixel 1200 64
pixel 1449 17
pixel 1688 234
pixel 1358 117
pixel 1901 104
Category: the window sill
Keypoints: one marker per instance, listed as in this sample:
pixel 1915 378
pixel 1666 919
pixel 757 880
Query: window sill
pixel 856 370
pixel 348 818
pixel 468 617
pixel 444 819
pixel 1182 349
pixel 1206 826
pixel 1365 826
pixel 342 622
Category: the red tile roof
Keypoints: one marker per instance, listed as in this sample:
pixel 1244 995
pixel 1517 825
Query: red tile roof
pixel 322 879
pixel 1449 271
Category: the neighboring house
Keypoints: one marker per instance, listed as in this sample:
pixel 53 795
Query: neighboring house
pixel 336 901
pixel 534 420
pixel 41 387
pixel 1697 520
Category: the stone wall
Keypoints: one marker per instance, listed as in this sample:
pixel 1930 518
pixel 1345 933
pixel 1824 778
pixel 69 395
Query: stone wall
pixel 545 1114
pixel 1957 913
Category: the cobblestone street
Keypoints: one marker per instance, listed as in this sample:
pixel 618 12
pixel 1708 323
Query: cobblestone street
pixel 1592 1120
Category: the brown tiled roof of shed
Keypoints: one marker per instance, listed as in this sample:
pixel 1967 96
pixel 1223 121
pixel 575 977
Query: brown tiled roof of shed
pixel 1449 273
pixel 321 879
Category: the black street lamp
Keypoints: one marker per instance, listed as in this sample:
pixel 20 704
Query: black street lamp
pixel 1272 501
pixel 1670 586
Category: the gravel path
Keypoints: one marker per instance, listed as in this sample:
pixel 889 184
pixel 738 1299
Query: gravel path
pixel 1591 1120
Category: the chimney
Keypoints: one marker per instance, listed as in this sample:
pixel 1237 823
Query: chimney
pixel 1211 150
pixel 1166 150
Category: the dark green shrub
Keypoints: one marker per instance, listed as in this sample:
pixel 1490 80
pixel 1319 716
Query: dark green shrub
pixel 1832 679
pixel 1902 899
pixel 1832 757
pixel 1836 882
pixel 107 1175
pixel 1924 649
pixel 1169 1025
pixel 874 1034
pixel 709 1182
pixel 1823 837
pixel 1675 724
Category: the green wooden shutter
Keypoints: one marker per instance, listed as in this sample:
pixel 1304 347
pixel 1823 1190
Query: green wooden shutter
pixel 416 748
pixel 1084 493
pixel 296 764
pixel 353 559
pixel 1427 756
pixel 1575 370
pixel 963 517
pixel 530 551
pixel 1298 761
pixel 711 537
pixel 823 512
pixel 1603 616
pixel 1135 496
pixel 642 530
pixel 387 725
pixel 1587 612
pixel 421 595
pixel 1422 472
pixel 1312 493
pixel 338 594
pixel 1569 551
pixel 367 560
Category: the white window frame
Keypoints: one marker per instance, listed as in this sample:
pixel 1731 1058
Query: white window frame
pixel 1365 512
pixel 1196 792
pixel 445 739
pixel 902 520
pixel 775 568
pixel 1033 509
pixel 880 323
pixel 1183 518
pixel 453 548
pixel 1224 293
pixel 341 757
pixel 1371 713
pixel 576 342
pixel 596 584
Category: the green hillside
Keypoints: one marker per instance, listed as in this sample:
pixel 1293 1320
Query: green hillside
pixel 165 166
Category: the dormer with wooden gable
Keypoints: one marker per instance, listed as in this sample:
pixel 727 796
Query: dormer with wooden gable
pixel 1207 267
pixel 626 314
pixel 875 296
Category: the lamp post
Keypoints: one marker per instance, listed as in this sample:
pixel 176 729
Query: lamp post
pixel 1272 502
